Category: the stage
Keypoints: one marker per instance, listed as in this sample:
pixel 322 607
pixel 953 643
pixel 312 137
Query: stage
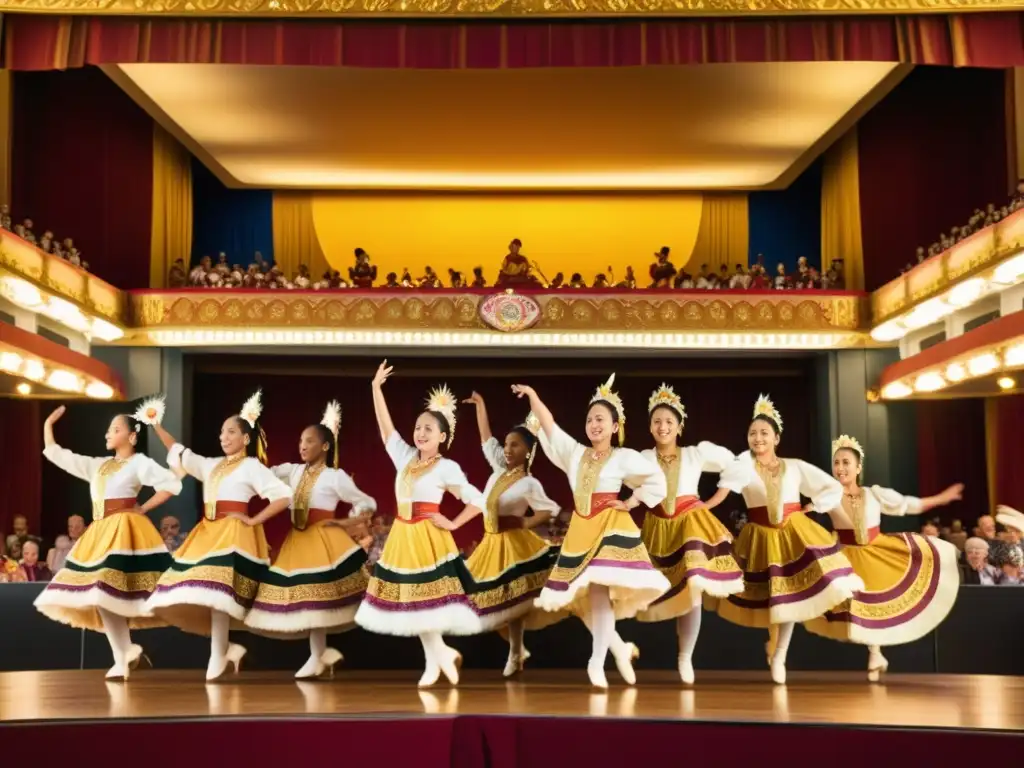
pixel 545 717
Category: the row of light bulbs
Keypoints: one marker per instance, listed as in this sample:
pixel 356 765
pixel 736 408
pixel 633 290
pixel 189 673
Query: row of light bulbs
pixel 982 364
pixel 958 297
pixel 56 378
pixel 25 295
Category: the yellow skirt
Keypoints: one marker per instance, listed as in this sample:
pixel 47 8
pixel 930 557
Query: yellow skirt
pixel 793 573
pixel 910 585
pixel 316 582
pixel 115 565
pixel 219 567
pixel 419 585
pixel 509 569
pixel 605 549
pixel 694 552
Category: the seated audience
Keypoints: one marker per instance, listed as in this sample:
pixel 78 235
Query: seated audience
pixel 58 554
pixel 974 566
pixel 30 568
pixel 170 532
pixel 1011 563
pixel 20 534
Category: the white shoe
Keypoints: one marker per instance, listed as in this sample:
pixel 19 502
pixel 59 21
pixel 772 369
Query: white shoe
pixel 624 662
pixel 878 665
pixel 777 664
pixel 118 673
pixel 330 658
pixel 311 669
pixel 430 674
pixel 515 664
pixel 451 663
pixel 595 670
pixel 136 658
pixel 218 668
pixel 235 654
pixel 686 669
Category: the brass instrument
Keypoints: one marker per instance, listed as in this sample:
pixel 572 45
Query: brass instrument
pixel 534 265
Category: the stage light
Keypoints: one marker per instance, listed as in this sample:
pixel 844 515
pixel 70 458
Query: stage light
pixel 99 391
pixel 67 313
pixel 101 329
pixel 888 331
pixel 24 388
pixel 967 292
pixel 63 380
pixel 929 382
pixel 1010 271
pixel 1005 382
pixel 22 293
pixel 955 372
pixel 896 390
pixel 1014 356
pixel 33 370
pixel 10 362
pixel 926 314
pixel 983 364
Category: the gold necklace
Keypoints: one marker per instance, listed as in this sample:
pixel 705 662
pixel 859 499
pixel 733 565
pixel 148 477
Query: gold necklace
pixel 667 458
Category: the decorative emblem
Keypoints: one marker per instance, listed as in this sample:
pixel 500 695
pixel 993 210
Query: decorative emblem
pixel 509 312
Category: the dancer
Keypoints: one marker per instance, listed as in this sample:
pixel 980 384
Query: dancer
pixel 116 563
pixel 793 570
pixel 512 563
pixel 686 541
pixel 318 577
pixel 217 570
pixel 910 581
pixel 419 585
pixel 603 571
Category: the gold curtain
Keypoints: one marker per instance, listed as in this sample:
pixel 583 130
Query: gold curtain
pixel 295 240
pixel 172 206
pixel 724 236
pixel 840 211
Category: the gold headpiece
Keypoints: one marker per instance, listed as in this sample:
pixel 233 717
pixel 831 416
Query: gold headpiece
pixel 151 411
pixel 251 410
pixel 665 395
pixel 443 401
pixel 765 407
pixel 605 392
pixel 532 425
pixel 845 441
pixel 332 420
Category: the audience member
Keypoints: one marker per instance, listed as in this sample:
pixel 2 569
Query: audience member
pixel 30 568
pixel 58 554
pixel 170 532
pixel 974 567
pixel 16 540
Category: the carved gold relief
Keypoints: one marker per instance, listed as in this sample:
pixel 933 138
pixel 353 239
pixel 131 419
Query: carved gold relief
pixel 500 8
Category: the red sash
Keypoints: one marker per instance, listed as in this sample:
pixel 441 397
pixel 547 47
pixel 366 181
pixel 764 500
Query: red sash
pixel 598 504
pixel 759 515
pixel 848 537
pixel 683 505
pixel 421 510
pixel 112 506
pixel 225 508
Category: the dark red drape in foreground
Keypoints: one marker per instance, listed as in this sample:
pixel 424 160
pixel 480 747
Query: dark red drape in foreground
pixel 82 167
pixel 930 153
pixel 951 446
pixel 55 42
pixel 1009 451
pixel 719 411
pixel 21 462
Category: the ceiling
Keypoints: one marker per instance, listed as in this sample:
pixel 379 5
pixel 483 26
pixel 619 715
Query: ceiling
pixel 720 126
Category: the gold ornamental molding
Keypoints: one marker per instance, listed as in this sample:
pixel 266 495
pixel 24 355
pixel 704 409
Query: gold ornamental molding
pixel 501 8
pixel 565 318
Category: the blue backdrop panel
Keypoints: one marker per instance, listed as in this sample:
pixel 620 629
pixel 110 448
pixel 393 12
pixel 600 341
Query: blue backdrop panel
pixel 236 221
pixel 786 224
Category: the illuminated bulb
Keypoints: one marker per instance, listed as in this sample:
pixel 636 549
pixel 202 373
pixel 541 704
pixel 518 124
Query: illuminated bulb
pixel 101 329
pixel 889 331
pixel 1005 382
pixel 65 381
pixel 927 313
pixel 24 388
pixel 22 293
pixel 99 390
pixel 67 313
pixel 955 372
pixel 1014 356
pixel 967 292
pixel 1010 270
pixel 33 370
pixel 896 390
pixel 929 382
pixel 10 362
pixel 983 364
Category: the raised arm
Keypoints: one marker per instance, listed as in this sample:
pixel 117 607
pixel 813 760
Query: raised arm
pixel 482 422
pixel 48 438
pixel 82 467
pixel 380 405
pixel 547 421
pixel 165 437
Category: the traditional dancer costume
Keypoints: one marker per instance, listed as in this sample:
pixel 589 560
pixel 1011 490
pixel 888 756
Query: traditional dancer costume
pixel 910 581
pixel 511 563
pixel 319 576
pixel 217 570
pixel 603 571
pixel 686 541
pixel 113 568
pixel 793 569
pixel 419 586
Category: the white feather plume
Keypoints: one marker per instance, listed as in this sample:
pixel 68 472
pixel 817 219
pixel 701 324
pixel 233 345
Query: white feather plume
pixel 332 417
pixel 151 411
pixel 252 409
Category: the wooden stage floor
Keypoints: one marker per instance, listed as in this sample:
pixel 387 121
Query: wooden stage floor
pixel 908 701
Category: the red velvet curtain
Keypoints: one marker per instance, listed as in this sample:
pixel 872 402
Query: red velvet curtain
pixel 930 153
pixel 56 42
pixel 21 462
pixel 951 449
pixel 1009 451
pixel 719 410
pixel 82 167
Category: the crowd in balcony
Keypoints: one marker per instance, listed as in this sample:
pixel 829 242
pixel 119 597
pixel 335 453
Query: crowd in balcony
pixel 979 220
pixel 47 242
pixel 516 271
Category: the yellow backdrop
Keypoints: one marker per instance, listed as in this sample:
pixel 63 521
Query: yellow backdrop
pixel 562 233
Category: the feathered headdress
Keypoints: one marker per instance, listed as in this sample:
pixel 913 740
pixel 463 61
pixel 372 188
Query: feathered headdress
pixel 666 396
pixel 765 407
pixel 250 413
pixel 443 401
pixel 845 441
pixel 151 412
pixel 605 393
pixel 532 425
pixel 332 420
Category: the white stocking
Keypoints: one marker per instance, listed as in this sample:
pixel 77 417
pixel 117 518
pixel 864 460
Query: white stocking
pixel 688 629
pixel 603 622
pixel 116 629
pixel 317 643
pixel 783 633
pixel 220 623
pixel 516 644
